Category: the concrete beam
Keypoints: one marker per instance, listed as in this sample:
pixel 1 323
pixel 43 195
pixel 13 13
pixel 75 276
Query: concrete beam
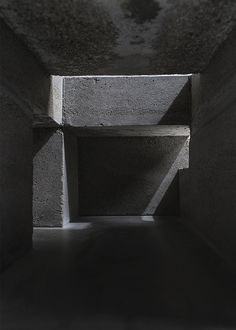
pixel 126 100
pixel 158 130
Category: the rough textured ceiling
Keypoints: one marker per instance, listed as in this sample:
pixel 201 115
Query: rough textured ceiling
pixel 74 37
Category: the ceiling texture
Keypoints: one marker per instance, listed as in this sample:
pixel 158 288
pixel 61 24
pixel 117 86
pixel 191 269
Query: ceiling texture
pixel 88 37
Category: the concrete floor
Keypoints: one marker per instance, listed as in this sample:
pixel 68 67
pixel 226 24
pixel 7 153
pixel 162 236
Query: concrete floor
pixel 129 274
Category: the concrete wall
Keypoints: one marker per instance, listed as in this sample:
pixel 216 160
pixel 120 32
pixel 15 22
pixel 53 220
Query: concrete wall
pixel 15 180
pixel 130 175
pixel 24 87
pixel 48 183
pixel 55 177
pixel 127 100
pixel 209 188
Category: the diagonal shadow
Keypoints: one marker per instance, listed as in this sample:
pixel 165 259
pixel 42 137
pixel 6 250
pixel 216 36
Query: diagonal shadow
pixel 179 111
pixel 167 195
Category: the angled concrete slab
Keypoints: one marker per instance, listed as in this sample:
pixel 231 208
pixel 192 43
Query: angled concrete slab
pixel 53 116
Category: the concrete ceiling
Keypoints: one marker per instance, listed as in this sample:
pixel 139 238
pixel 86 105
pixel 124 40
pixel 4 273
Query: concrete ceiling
pixel 80 37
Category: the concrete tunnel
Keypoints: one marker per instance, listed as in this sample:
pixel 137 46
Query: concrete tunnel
pixel 117 174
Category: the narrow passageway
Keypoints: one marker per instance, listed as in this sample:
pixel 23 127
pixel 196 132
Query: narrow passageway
pixel 131 274
pixel 117 168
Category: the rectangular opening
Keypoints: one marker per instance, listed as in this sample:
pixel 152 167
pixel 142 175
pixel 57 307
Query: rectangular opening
pixel 132 174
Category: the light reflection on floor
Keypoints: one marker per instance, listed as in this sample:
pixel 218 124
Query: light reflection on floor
pixel 118 273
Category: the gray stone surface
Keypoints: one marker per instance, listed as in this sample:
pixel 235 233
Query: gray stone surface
pixel 55 188
pixel 15 180
pixel 121 36
pixel 129 175
pixel 127 100
pixel 209 199
pixel 48 193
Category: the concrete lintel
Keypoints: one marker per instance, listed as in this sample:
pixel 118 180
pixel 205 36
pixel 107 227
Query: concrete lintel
pixel 157 130
pixel 126 100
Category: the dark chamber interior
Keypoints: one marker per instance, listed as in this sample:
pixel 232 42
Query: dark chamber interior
pixel 120 175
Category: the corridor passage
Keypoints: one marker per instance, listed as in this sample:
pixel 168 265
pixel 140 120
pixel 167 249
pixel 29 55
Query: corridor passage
pixel 127 273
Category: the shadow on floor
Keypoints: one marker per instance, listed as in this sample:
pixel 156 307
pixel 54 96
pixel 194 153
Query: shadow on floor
pixel 128 275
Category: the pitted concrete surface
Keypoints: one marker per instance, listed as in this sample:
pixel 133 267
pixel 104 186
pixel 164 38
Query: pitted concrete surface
pixel 48 171
pixel 126 100
pixel 121 36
